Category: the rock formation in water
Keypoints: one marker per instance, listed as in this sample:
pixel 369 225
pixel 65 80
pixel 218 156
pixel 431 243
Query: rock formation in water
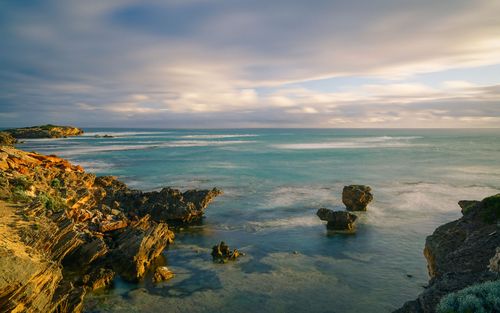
pixel 338 220
pixel 162 273
pixel 6 139
pixel 221 253
pixel 64 234
pixel 45 131
pixel 461 253
pixel 356 197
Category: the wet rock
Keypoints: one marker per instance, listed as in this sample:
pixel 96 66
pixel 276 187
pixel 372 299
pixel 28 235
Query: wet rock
pixel 162 273
pixel 337 220
pixel 461 253
pixel 356 197
pixel 221 253
pixel 138 245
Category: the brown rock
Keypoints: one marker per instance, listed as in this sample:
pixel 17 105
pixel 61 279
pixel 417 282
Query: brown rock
pixel 106 226
pixel 162 273
pixel 221 253
pixel 356 197
pixel 338 220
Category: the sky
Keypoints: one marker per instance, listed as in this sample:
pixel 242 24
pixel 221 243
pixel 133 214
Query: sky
pixel 259 63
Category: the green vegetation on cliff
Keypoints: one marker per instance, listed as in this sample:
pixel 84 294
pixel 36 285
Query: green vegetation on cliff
pixel 480 298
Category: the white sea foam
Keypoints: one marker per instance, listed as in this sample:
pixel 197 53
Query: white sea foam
pixel 218 136
pixel 122 133
pixel 172 144
pixel 355 143
pixel 94 166
pixel 290 222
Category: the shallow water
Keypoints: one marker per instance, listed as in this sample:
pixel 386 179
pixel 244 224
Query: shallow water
pixel 274 181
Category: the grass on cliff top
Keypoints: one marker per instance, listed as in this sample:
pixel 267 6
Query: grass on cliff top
pixel 480 298
pixel 491 209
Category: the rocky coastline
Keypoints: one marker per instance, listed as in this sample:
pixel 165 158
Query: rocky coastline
pixel 461 253
pixel 66 232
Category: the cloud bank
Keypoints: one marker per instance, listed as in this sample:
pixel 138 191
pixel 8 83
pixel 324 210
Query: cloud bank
pixel 200 63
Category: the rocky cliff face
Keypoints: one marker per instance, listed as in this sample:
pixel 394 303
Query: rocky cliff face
pixel 461 253
pixel 65 232
pixel 44 131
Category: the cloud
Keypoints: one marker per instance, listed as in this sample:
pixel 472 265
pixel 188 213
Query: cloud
pixel 232 63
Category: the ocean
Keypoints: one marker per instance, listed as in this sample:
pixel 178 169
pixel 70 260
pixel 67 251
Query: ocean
pixel 274 180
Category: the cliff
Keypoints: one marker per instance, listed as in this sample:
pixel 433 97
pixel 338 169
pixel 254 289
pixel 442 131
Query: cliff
pixel 461 253
pixel 65 232
pixel 44 131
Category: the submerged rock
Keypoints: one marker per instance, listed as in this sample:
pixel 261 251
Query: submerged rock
pixel 356 197
pixel 460 254
pixel 221 253
pixel 45 131
pixel 162 273
pixel 337 220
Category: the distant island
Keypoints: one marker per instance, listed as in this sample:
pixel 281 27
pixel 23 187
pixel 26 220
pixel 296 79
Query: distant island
pixel 43 131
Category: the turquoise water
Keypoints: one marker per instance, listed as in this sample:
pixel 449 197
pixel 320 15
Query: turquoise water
pixel 273 183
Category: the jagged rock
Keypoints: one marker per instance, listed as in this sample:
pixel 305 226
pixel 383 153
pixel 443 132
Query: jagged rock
pixel 337 220
pixel 6 139
pixel 88 252
pixel 460 253
pixel 162 273
pixel 167 205
pixel 356 197
pixel 98 278
pixel 221 253
pixel 467 204
pixel 138 245
pixel 112 225
pixel 45 131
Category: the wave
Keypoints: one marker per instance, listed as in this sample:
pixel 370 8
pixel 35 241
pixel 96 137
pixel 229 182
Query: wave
pixel 355 143
pixel 290 222
pixel 218 136
pixel 121 134
pixel 171 144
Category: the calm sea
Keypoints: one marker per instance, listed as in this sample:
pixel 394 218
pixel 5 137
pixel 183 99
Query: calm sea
pixel 274 180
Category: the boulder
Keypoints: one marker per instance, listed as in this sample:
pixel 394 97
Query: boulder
pixel 98 278
pixel 221 253
pixel 162 273
pixel 337 220
pixel 356 197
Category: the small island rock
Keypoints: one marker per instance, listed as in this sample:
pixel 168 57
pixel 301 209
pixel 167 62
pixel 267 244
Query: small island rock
pixel 221 253
pixel 162 273
pixel 337 220
pixel 356 197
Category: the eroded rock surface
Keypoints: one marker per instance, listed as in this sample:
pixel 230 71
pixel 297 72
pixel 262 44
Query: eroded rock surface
pixel 6 139
pixel 162 273
pixel 337 220
pixel 356 197
pixel 461 253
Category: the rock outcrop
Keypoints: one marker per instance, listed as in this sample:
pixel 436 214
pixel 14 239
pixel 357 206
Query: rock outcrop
pixel 337 220
pixel 45 131
pixel 356 197
pixel 221 253
pixel 461 253
pixel 6 139
pixel 162 273
pixel 64 233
